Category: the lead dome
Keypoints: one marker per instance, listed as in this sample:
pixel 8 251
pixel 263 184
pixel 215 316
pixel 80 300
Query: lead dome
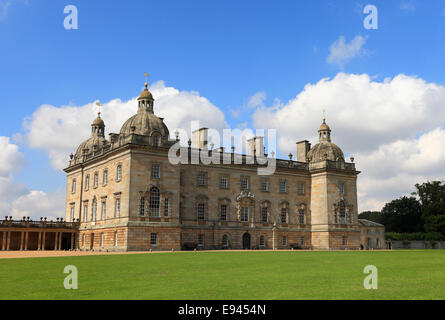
pixel 325 149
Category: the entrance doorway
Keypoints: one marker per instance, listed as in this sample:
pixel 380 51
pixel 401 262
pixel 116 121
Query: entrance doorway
pixel 246 241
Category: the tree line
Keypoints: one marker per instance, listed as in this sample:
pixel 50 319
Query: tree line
pixel 421 216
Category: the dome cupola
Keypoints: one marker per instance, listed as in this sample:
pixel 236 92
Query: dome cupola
pixel 97 140
pixel 325 149
pixel 145 122
pixel 324 133
pixel 145 100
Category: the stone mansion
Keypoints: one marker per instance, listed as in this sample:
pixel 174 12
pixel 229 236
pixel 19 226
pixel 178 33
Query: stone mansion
pixel 126 195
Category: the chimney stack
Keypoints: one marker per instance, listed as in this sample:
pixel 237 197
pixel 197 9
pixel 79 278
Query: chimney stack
pixel 303 148
pixel 255 146
pixel 200 138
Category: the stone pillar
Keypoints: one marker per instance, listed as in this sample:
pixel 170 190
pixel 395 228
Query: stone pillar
pixel 8 241
pixel 44 241
pixel 26 240
pixel 22 238
pixel 72 240
pixel 60 241
pixel 4 241
pixel 56 239
pixel 39 243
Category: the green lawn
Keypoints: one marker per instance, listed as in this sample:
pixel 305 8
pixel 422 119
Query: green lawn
pixel 229 275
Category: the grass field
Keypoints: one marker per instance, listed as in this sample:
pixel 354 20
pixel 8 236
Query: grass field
pixel 229 275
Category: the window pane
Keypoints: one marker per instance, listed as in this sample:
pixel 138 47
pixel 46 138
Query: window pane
pixel 223 212
pixel 264 214
pixel 155 172
pixel 154 202
pixel 166 208
pixel 201 211
pixel 244 214
pixel 244 184
pixel 282 186
pixel 283 215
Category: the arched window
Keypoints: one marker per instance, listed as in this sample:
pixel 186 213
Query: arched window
pixel 225 241
pixel 201 211
pixel 264 214
pixel 73 186
pixel 166 208
pixel 117 208
pixel 105 178
pixel 96 180
pixel 142 206
pixel 155 140
pixel 223 212
pixel 342 212
pixel 283 215
pixel 154 202
pixel 119 172
pixel 102 239
pixel 301 216
pixel 104 210
pixel 94 209
pixel 265 211
pixel 85 212
pixel 87 182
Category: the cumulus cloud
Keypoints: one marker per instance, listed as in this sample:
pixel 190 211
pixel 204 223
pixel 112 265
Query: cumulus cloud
pixel 36 204
pixel 392 127
pixel 407 6
pixel 11 160
pixel 15 198
pixel 257 100
pixel 59 130
pixel 4 7
pixel 341 52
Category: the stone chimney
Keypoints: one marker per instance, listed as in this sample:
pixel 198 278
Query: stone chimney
pixel 200 138
pixel 255 146
pixel 303 148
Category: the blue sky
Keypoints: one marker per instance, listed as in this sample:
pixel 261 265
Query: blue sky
pixel 226 50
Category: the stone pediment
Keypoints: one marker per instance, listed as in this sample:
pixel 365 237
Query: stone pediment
pixel 245 194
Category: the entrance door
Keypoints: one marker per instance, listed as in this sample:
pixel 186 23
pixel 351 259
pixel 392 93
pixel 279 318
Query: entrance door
pixel 246 241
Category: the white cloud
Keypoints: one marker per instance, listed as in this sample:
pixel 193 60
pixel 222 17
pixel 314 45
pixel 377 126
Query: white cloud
pixel 257 100
pixel 38 204
pixel 11 160
pixel 5 5
pixel 407 6
pixel 59 130
pixel 15 198
pixel 392 128
pixel 341 52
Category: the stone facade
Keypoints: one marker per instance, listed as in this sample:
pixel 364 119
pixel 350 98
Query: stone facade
pixel 128 196
pixel 372 235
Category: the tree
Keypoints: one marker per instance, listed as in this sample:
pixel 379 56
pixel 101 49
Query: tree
pixel 432 200
pixel 374 216
pixel 403 215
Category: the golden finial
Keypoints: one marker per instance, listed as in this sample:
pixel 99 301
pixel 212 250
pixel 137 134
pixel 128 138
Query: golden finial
pixel 98 105
pixel 146 79
pixel 324 115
